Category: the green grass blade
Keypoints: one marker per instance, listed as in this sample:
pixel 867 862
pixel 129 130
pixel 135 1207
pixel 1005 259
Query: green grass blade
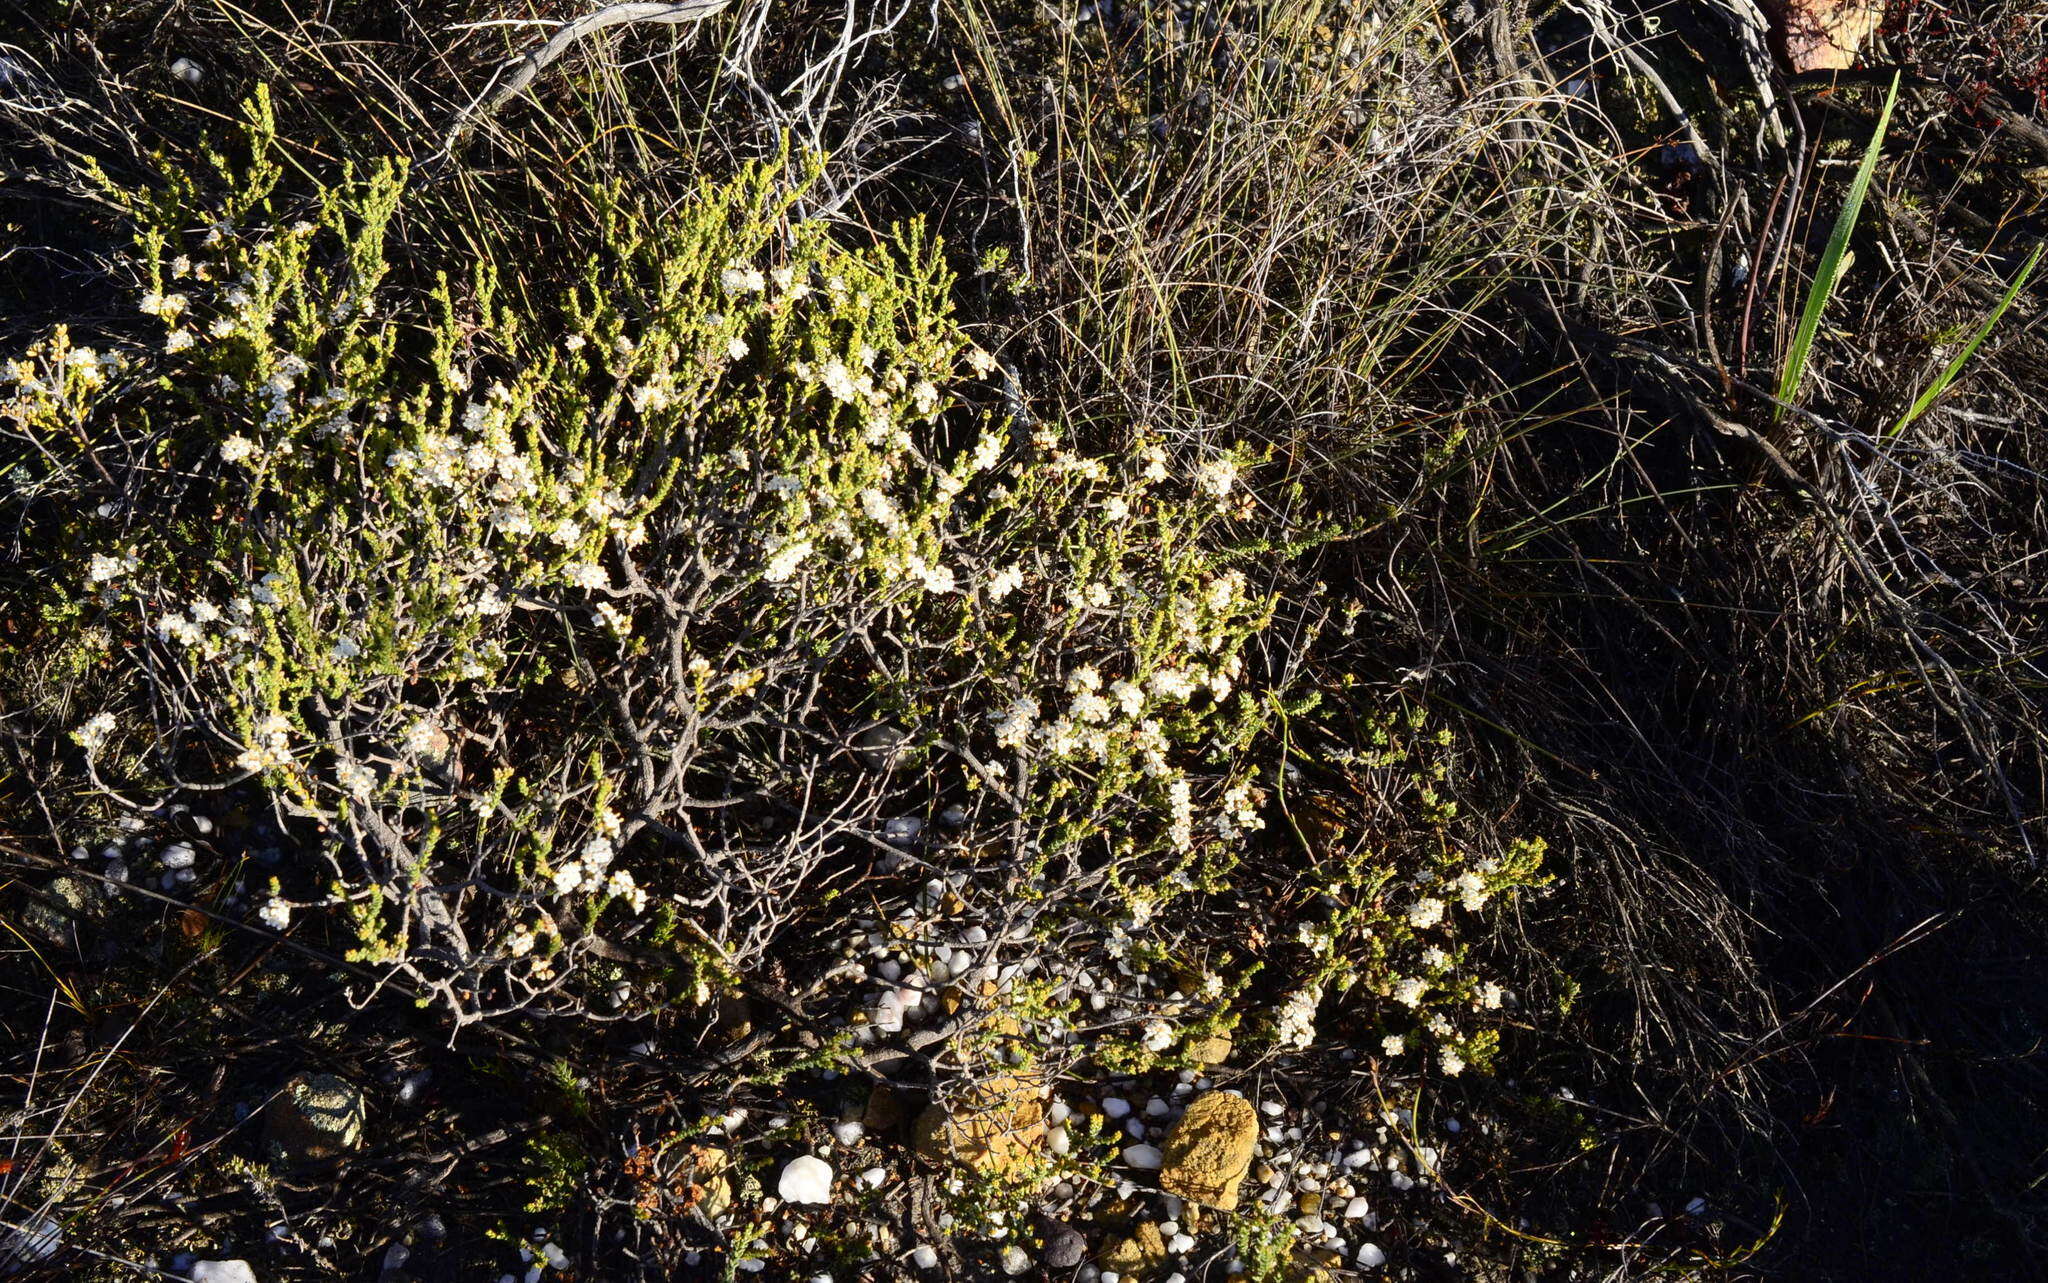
pixel 1831 261
pixel 1948 375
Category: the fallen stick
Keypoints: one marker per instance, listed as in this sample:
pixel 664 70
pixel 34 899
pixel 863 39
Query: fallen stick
pixel 537 59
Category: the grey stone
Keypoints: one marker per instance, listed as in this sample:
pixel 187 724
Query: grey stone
pixel 315 1119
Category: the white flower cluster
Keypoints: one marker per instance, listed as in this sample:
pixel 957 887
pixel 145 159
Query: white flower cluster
pixel 271 746
pixel 1295 1023
pixel 1239 811
pixel 1425 913
pixel 105 568
pixel 588 873
pixel 92 736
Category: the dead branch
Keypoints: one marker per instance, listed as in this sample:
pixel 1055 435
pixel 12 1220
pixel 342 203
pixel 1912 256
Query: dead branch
pixel 536 60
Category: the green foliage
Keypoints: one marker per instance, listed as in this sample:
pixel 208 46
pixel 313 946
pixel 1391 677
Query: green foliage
pixel 493 588
pixel 1833 260
pixel 553 1167
pixel 1949 372
pixel 1265 1243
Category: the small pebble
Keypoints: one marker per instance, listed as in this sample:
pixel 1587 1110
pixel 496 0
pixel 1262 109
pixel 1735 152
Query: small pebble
pixel 805 1179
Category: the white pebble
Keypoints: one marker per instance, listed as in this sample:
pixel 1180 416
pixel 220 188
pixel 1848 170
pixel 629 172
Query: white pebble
pixel 1115 1106
pixel 848 1132
pixel 1145 1158
pixel 805 1179
pixel 1356 1208
pixel 887 1015
pixel 221 1272
pixel 925 1257
pixel 1369 1255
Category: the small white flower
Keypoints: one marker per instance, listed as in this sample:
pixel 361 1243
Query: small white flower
pixel 1426 912
pixel 1003 581
pixel 1158 1035
pixel 622 885
pixel 649 397
pixel 1453 1063
pixel 736 349
pixel 1170 683
pixel 275 914
pixel 568 878
pixel 839 381
pixel 586 574
pixel 880 508
pixel 742 279
pixel 597 854
pixel 424 737
pixel 104 569
pixel 1216 477
pixel 783 562
pixel 1296 1024
pixel 1408 992
pixel 355 779
pixel 1154 459
pixel 1490 995
pixel 1089 707
pixel 1472 891
pixel 1013 724
pixel 177 628
pixel 1393 1044
pixel 936 579
pixel 93 734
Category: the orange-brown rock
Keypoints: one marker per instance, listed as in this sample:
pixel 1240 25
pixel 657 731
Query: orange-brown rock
pixel 1210 1149
pixel 992 1126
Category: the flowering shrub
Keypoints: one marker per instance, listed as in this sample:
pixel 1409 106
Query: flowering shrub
pixel 638 612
